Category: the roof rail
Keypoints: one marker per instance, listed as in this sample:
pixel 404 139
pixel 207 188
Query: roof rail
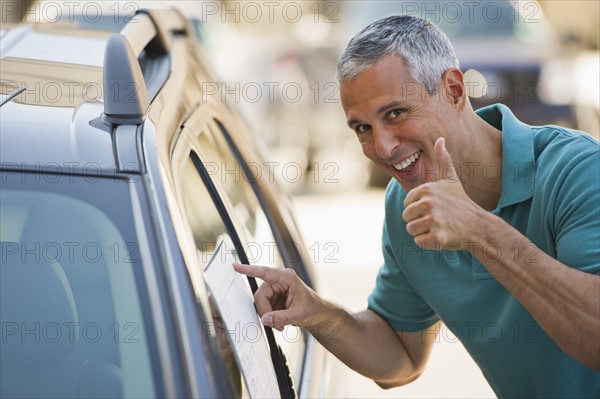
pixel 126 98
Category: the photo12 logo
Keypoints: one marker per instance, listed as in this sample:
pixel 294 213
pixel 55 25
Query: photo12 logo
pixel 89 12
pixel 269 11
pixel 53 332
pixel 210 11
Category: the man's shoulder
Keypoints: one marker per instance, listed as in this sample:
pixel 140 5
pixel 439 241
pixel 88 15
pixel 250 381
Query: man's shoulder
pixel 560 150
pixel 567 163
pixel 563 141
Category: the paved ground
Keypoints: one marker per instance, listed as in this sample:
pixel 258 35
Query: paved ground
pixel 343 232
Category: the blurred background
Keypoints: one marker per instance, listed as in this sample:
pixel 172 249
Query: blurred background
pixel 275 62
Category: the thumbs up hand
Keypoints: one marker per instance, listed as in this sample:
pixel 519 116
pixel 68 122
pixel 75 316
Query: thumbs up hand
pixel 443 161
pixel 439 214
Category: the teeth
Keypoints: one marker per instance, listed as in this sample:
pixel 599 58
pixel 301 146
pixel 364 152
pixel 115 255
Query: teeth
pixel 408 161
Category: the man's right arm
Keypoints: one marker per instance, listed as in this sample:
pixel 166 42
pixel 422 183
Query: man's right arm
pixel 364 341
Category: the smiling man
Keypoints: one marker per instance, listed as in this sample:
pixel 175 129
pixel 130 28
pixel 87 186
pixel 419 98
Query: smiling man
pixel 492 227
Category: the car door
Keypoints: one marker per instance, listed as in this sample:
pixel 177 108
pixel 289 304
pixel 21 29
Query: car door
pixel 313 368
pixel 214 228
pixel 262 242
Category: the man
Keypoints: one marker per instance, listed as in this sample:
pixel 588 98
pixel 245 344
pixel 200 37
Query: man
pixel 491 226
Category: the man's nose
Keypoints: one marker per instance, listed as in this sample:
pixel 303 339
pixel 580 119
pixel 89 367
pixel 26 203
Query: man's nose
pixel 385 143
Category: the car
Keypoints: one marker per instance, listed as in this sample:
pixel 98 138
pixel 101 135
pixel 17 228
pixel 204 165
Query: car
pixel 125 196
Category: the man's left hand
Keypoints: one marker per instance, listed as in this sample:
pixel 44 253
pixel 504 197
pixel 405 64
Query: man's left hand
pixel 439 214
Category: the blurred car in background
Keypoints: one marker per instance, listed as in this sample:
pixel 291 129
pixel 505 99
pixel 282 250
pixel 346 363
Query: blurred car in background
pixel 120 188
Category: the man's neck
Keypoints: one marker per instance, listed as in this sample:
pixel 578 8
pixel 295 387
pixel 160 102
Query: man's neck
pixel 483 180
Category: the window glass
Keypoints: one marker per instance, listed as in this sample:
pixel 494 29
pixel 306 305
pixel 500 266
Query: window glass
pixel 209 233
pixel 226 171
pixel 74 310
pixel 260 246
pixel 208 230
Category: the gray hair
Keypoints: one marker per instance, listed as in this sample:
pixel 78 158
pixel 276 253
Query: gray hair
pixel 425 49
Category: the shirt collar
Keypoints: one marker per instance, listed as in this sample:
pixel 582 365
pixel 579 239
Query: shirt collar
pixel 518 160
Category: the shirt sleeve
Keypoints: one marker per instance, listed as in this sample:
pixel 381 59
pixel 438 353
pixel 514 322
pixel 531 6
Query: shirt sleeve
pixel 577 214
pixel 394 298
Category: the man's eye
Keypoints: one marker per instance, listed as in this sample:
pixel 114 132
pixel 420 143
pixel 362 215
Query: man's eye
pixel 395 113
pixel 361 129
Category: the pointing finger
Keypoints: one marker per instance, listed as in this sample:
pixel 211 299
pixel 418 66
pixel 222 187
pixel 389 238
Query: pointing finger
pixel 267 274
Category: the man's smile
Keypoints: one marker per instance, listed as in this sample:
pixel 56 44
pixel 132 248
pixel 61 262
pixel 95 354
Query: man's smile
pixel 408 161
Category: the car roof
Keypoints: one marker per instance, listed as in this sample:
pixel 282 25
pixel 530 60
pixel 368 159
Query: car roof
pixel 47 126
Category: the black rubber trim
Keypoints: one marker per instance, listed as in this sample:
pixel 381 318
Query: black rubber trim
pixel 277 357
pixel 301 270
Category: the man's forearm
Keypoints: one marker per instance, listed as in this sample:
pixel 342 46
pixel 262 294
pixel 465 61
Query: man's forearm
pixel 366 343
pixel 564 301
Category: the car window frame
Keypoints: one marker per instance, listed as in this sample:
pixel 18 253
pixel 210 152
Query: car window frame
pixel 223 141
pixel 185 144
pixel 183 349
pixel 281 229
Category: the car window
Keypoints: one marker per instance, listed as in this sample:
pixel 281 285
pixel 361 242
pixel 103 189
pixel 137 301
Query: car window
pixel 210 234
pixel 260 246
pixel 462 19
pixel 74 310
pixel 208 230
pixel 222 166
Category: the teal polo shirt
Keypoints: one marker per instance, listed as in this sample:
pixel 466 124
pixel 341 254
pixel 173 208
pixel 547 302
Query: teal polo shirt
pixel 551 194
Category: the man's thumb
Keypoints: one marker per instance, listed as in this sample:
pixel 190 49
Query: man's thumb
pixel 444 161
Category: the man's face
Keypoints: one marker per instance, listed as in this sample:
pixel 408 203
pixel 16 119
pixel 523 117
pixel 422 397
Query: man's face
pixel 397 121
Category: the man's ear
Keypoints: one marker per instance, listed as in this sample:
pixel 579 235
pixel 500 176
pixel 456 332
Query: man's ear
pixel 453 87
